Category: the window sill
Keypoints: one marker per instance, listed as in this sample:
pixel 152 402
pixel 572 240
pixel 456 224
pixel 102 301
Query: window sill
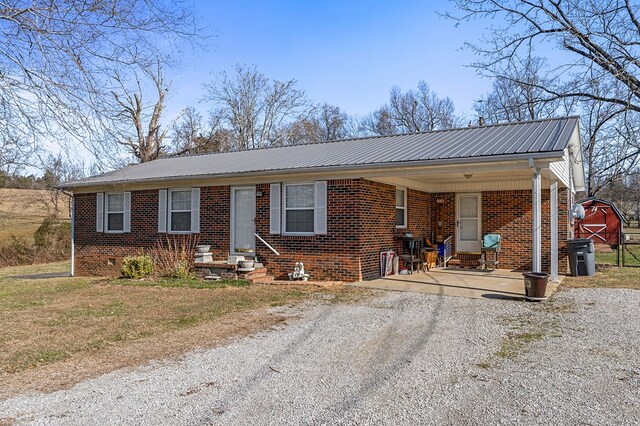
pixel 401 226
pixel 298 234
pixel 115 232
pixel 178 232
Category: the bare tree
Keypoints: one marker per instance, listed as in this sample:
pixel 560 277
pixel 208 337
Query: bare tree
pixel 600 38
pixel 412 111
pixel 517 95
pixel 256 110
pixel 325 123
pixel 140 130
pixel 56 57
pixel 192 135
pixel 599 41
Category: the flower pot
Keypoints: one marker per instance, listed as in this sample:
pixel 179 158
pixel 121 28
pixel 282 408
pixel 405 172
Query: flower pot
pixel 245 264
pixel 535 285
pixel 203 249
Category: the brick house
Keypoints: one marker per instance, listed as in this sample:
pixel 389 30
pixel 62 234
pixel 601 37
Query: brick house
pixel 336 205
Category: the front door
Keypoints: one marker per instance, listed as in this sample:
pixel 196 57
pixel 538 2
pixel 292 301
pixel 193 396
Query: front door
pixel 243 215
pixel 468 223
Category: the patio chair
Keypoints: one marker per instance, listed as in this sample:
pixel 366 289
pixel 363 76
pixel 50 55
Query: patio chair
pixel 490 246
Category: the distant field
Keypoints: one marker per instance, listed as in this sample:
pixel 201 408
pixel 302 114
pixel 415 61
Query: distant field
pixel 23 210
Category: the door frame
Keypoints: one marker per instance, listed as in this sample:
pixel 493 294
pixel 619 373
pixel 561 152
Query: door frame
pixel 466 194
pixel 233 218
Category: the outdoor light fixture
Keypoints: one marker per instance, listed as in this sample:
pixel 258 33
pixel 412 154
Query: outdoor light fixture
pixel 468 175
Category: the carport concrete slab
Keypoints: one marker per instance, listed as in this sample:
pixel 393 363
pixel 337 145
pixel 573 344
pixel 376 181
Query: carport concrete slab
pixel 498 284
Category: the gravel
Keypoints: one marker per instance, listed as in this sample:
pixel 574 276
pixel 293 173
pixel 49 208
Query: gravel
pixel 399 358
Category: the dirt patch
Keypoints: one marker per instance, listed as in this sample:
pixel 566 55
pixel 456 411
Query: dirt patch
pixel 89 364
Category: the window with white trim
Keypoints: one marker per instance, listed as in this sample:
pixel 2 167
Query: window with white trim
pixel 299 208
pixel 115 211
pixel 401 207
pixel 180 210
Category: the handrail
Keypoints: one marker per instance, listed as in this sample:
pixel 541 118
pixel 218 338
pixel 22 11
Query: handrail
pixel 267 244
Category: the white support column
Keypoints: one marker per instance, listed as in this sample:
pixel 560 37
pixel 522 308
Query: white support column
pixel 554 231
pixel 537 221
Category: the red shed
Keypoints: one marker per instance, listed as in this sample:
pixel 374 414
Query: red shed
pixel 602 222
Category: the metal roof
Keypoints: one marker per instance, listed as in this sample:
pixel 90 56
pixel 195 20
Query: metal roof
pixel 491 142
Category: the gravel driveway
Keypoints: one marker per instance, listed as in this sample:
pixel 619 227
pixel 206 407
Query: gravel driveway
pixel 399 358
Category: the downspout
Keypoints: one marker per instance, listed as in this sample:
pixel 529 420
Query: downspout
pixel 73 231
pixel 73 235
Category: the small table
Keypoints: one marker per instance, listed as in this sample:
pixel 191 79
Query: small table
pixel 415 245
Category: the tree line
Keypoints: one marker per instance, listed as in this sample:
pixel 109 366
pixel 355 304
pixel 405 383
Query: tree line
pixel 94 79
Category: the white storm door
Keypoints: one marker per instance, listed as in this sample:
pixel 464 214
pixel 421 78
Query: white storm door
pixel 468 223
pixel 243 225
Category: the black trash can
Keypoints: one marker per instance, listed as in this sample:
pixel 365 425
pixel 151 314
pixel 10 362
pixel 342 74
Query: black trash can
pixel 535 285
pixel 582 257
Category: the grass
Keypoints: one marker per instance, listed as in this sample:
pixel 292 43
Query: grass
pixel 513 343
pixel 181 282
pixel 66 325
pixel 23 210
pixel 612 277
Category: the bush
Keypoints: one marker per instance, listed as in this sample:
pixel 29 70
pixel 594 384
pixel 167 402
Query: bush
pixel 54 237
pixel 174 257
pixel 51 243
pixel 137 266
pixel 17 251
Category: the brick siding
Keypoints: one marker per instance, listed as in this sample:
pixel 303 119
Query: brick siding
pixel 360 223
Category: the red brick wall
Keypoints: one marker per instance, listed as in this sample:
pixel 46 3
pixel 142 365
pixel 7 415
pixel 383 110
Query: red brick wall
pixel 509 213
pixel 378 207
pixel 95 250
pixel 333 256
pixel 361 223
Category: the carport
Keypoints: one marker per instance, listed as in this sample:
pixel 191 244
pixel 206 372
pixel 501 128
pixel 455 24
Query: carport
pixel 497 284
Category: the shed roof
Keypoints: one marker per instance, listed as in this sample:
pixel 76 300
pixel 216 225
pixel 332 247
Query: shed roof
pixel 586 202
pixel 485 143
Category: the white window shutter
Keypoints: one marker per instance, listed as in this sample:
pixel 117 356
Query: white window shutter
pixel 274 208
pixel 320 218
pixel 127 212
pixel 162 211
pixel 195 210
pixel 100 212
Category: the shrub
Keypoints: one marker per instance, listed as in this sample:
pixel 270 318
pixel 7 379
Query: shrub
pixel 17 251
pixel 52 239
pixel 51 242
pixel 137 266
pixel 174 256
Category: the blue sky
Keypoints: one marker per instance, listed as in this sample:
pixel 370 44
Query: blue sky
pixel 348 54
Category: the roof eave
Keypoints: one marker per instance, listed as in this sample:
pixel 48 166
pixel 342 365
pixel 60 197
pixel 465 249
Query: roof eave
pixel 357 167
